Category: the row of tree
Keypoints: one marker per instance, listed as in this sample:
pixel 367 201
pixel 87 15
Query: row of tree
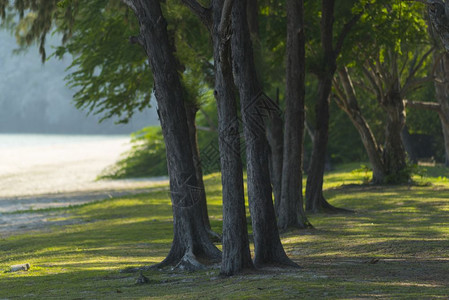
pixel 240 49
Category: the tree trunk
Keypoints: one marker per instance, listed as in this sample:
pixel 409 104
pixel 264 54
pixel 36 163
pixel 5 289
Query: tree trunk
pixel 442 95
pixel 191 111
pixel 348 103
pixel 252 9
pixel 291 208
pixel 236 253
pixel 315 200
pixel 408 146
pixel 275 137
pixel 394 156
pixel 267 244
pixel 190 236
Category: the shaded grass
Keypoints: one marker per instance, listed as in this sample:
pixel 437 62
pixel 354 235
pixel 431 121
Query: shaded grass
pixel 394 246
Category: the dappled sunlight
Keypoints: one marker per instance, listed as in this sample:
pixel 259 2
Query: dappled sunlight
pixel 394 244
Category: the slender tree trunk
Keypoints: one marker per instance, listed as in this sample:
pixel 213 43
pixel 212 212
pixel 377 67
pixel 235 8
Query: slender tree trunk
pixel 394 156
pixel 315 201
pixel 348 103
pixel 445 127
pixel 236 254
pixel 253 14
pixel 275 137
pixel 291 208
pixel 442 95
pixel 190 239
pixel 275 123
pixel 267 244
pixel 191 111
pixel 408 145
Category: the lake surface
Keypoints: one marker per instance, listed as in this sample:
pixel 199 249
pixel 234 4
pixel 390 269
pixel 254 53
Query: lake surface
pixel 33 140
pixel 43 171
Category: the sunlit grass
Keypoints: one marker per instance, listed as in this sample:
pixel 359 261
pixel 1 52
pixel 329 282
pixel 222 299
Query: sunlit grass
pixel 405 228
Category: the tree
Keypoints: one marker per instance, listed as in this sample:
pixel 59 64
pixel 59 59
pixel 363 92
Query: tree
pixel 268 247
pixel 110 74
pixel 190 237
pixel 325 71
pixel 391 67
pixel 441 107
pixel 236 254
pixel 291 205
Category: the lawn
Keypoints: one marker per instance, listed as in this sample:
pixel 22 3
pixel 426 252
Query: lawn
pixel 396 245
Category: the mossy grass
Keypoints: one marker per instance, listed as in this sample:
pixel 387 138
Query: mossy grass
pixel 394 246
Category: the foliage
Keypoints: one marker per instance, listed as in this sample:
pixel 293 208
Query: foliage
pixel 146 157
pixel 394 247
pixel 110 75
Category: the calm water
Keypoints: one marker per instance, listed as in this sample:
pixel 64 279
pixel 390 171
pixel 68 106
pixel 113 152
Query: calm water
pixel 31 140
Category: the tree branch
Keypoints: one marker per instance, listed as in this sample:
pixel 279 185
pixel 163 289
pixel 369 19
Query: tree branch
pixel 131 5
pixel 377 86
pixel 412 73
pixel 209 120
pixel 200 11
pixel 225 18
pixel 421 1
pixel 344 33
pixel 423 105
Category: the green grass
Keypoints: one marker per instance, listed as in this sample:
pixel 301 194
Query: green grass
pixel 405 227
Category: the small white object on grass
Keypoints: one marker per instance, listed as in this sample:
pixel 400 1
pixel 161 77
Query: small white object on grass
pixel 21 267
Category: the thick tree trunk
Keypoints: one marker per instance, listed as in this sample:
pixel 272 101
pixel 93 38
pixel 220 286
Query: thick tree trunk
pixel 291 208
pixel 236 253
pixel 190 236
pixel 394 156
pixel 267 244
pixel 348 103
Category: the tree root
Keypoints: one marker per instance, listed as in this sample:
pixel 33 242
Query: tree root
pixel 189 263
pixel 329 208
pixel 213 236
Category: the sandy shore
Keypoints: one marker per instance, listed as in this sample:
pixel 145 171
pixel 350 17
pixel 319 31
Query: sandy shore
pixel 59 174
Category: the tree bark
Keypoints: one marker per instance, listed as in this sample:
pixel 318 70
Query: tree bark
pixel 315 200
pixel 348 103
pixel 190 239
pixel 191 111
pixel 442 95
pixel 291 208
pixel 275 137
pixel 408 146
pixel 267 244
pixel 394 156
pixel 236 253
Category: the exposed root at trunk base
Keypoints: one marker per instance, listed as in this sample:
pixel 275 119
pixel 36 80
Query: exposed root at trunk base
pixel 213 236
pixel 325 207
pixel 281 263
pixel 189 263
pixel 277 258
pixel 328 208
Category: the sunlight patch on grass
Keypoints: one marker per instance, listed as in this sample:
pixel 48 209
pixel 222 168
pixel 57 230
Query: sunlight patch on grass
pixel 393 246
